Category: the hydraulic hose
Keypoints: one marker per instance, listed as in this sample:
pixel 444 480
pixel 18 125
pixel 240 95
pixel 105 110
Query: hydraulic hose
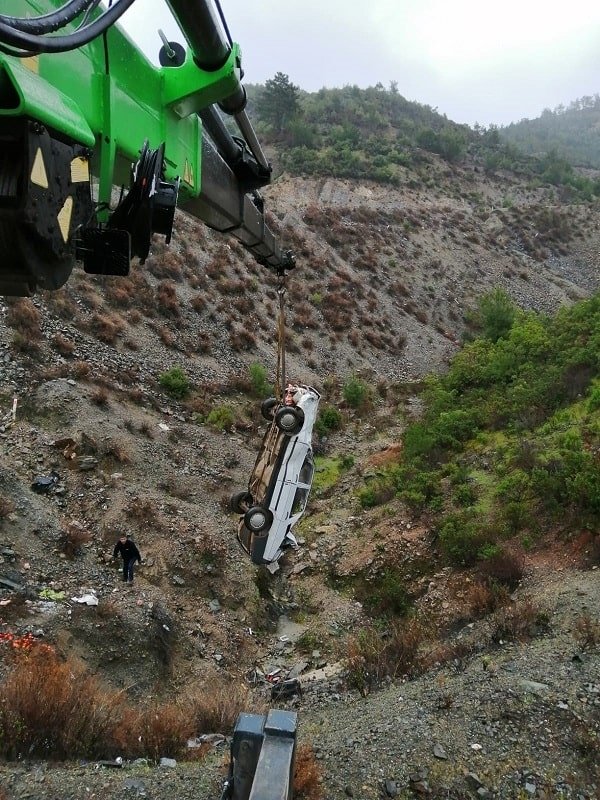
pixel 60 44
pixel 47 23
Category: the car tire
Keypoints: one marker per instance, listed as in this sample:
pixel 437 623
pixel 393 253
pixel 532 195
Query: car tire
pixel 289 420
pixel 239 502
pixel 258 519
pixel 267 408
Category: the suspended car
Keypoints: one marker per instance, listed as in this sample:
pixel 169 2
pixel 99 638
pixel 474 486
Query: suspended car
pixel 280 482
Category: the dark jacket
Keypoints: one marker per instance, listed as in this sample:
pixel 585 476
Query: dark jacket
pixel 128 551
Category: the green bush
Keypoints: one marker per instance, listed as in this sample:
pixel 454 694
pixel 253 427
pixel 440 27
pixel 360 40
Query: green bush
pixel 462 539
pixel 593 403
pixel 221 418
pixel 175 383
pixel 417 486
pixel 329 419
pixel 465 494
pixel 498 314
pixel 376 493
pixel 355 392
pixel 346 462
pixel 258 381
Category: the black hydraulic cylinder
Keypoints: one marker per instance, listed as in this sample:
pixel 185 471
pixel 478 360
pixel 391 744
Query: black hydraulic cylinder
pixel 215 126
pixel 202 30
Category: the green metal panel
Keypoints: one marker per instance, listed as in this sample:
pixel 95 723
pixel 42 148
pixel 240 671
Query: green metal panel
pixel 119 101
pixel 38 100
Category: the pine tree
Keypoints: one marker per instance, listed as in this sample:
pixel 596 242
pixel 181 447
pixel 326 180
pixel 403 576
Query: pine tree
pixel 278 102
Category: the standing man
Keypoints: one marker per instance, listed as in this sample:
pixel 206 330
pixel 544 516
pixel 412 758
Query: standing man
pixel 129 553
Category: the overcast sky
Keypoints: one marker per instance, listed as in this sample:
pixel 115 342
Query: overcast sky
pixel 473 60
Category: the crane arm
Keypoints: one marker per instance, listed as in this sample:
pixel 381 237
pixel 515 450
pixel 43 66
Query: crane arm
pixel 78 110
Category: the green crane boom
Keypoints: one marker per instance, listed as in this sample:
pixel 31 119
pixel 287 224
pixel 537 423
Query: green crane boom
pixel 83 111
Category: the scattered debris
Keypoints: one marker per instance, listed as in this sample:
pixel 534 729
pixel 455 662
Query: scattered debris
pixel 44 484
pixel 86 599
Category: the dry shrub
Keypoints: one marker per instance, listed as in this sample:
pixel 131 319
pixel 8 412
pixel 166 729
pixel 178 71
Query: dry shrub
pixel 198 302
pixel 135 394
pixel 165 265
pixel 61 304
pixel 81 369
pixel 146 429
pixel 166 299
pixel 201 343
pixel 51 708
pixel 160 730
pixel 118 451
pixel 6 506
pixel 179 487
pixel 444 652
pixel 142 509
pixel 480 599
pixel 64 346
pixel 24 317
pixel 242 339
pixel 99 397
pixel 504 568
pixel 25 344
pixel 227 285
pixel 199 404
pixel 119 292
pixel 73 539
pixel 308 776
pixel 106 327
pixel 167 337
pixel 216 708
pixel 373 656
pixel 587 630
pixel 107 609
pixel 519 622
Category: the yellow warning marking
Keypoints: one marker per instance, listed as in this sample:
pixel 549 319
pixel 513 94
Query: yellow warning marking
pixel 80 170
pixel 32 63
pixel 38 171
pixel 188 175
pixel 64 218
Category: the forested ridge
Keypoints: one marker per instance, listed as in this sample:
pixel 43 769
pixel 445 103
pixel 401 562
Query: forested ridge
pixel 377 134
pixel 571 131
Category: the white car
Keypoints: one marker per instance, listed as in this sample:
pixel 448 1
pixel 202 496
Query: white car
pixel 281 479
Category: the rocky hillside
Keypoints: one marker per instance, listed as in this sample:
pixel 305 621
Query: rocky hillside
pixel 384 288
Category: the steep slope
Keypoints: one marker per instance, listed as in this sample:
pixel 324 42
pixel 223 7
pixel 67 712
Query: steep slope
pixel 384 285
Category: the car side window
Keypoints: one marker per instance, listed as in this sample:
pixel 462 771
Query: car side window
pixel 306 470
pixel 300 499
pixel 304 484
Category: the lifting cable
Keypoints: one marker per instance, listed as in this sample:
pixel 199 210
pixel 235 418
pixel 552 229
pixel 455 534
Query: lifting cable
pixel 280 379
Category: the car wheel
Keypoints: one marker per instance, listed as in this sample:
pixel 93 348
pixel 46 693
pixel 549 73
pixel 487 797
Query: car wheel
pixel 289 420
pixel 268 406
pixel 239 502
pixel 257 519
